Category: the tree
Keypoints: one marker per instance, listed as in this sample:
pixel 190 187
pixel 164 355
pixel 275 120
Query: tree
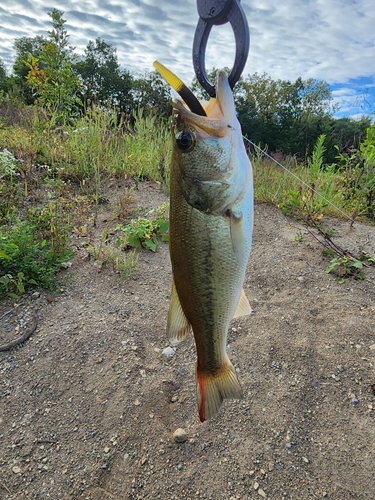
pixel 284 115
pixel 152 93
pixel 3 77
pixel 102 80
pixel 344 135
pixel 24 48
pixel 51 75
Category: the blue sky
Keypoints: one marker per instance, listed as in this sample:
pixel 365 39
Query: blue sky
pixel 333 40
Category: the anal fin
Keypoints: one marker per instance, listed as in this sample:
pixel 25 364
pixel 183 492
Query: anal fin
pixel 243 307
pixel 178 327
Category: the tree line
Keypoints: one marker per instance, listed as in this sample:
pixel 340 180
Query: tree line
pixel 285 116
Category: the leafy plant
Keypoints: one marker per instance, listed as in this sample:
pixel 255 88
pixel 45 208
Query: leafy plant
pixel 346 266
pixel 315 163
pixel 356 168
pixel 7 164
pixel 143 232
pixel 26 260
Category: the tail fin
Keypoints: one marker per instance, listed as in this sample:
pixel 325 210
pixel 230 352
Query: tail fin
pixel 214 388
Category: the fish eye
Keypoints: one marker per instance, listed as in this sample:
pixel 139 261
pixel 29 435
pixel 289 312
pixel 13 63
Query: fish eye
pixel 185 140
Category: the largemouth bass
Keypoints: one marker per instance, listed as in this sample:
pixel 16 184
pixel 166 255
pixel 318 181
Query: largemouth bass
pixel 211 220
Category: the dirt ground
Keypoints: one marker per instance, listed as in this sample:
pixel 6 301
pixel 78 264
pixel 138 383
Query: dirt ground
pixel 89 404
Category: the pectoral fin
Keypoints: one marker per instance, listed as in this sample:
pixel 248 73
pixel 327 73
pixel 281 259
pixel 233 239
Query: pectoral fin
pixel 243 308
pixel 237 235
pixel 178 327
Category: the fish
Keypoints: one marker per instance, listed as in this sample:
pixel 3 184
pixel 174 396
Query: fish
pixel 210 234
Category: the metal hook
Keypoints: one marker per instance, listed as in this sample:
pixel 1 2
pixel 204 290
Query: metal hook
pixel 213 13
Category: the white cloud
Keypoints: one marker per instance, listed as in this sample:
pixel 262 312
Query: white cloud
pixel 332 40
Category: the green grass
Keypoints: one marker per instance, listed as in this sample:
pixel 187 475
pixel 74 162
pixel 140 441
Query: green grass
pixel 70 163
pixel 278 187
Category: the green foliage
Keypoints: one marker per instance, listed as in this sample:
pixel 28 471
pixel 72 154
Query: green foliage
pixel 99 146
pixel 315 163
pixel 26 260
pixel 103 82
pixel 24 143
pixel 303 202
pixel 51 77
pixel 7 164
pixel 347 265
pixel 282 114
pixel 123 263
pixel 9 190
pixel 148 149
pixel 343 134
pixel 152 93
pixel 357 174
pixel 3 79
pixel 142 232
pixel 274 185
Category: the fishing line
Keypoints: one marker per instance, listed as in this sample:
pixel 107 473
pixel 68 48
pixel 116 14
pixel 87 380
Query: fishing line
pixel 353 221
pixel 305 183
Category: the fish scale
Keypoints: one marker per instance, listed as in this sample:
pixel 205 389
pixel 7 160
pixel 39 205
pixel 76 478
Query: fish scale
pixel 211 219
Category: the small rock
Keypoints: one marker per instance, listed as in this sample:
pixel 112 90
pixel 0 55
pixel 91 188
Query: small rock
pixel 66 265
pixel 179 435
pixel 262 493
pixel 256 485
pixel 355 401
pixel 106 449
pixel 35 295
pixel 137 402
pixel 372 347
pixel 16 469
pixel 168 351
pixel 305 459
pixel 179 466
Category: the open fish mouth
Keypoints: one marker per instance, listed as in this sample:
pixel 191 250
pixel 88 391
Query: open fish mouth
pixel 212 117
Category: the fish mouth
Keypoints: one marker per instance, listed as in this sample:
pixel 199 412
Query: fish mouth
pixel 220 110
pixel 215 116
